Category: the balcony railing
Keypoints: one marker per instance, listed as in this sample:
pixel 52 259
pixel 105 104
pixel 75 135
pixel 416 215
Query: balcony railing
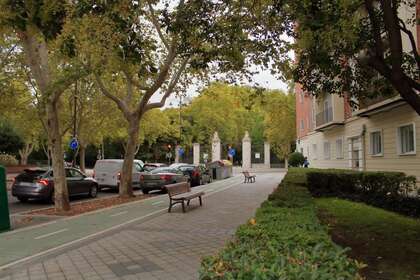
pixel 324 117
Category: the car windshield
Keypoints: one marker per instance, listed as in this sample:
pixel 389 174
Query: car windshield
pixel 186 168
pixel 163 170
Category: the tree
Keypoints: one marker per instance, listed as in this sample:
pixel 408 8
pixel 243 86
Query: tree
pixel 229 110
pixel 10 140
pixel 352 47
pixel 37 25
pixel 280 121
pixel 141 49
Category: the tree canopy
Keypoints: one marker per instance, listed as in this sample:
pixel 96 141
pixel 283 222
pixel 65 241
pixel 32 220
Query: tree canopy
pixel 363 48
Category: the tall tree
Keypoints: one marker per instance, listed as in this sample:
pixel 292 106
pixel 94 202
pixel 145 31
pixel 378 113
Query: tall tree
pixel 38 25
pixel 279 121
pixel 149 46
pixel 364 48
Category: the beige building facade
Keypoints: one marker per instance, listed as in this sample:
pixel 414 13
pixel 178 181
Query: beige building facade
pixel 381 135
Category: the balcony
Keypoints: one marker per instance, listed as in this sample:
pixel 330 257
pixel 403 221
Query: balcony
pixel 378 105
pixel 329 113
pixel 324 117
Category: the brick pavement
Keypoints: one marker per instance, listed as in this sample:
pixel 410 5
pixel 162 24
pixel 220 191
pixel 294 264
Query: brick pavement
pixel 167 246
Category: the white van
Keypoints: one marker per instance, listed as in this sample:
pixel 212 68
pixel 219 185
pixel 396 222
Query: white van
pixel 107 172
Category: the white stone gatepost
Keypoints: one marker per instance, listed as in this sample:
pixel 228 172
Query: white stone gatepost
pixel 177 153
pixel 215 147
pixel 267 155
pixel 246 151
pixel 196 153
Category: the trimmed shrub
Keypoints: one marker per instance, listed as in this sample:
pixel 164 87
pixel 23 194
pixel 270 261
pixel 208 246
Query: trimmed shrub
pixel 389 190
pixel 284 241
pixel 8 160
pixel 296 159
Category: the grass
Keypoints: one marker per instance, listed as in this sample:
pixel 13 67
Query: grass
pixel 387 242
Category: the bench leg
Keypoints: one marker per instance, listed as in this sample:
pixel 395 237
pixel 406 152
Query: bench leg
pixel 201 202
pixel 170 206
pixel 188 203
pixel 183 206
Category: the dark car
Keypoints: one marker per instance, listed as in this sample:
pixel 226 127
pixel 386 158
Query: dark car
pixel 159 177
pixel 198 174
pixel 153 166
pixel 39 184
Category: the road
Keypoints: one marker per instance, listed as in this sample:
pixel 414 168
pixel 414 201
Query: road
pixel 16 207
pixel 139 240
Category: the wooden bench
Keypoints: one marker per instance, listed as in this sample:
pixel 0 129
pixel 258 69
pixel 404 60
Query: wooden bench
pixel 181 192
pixel 248 177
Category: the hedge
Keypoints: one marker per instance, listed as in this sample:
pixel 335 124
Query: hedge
pixel 284 241
pixel 392 191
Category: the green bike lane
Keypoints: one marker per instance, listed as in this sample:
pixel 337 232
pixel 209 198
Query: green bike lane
pixel 28 243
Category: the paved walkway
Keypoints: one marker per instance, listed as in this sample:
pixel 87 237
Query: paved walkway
pixel 137 241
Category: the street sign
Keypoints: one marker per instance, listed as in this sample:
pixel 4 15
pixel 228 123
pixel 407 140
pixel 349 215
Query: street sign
pixel 181 151
pixel 168 155
pixel 4 205
pixel 74 144
pixel 232 152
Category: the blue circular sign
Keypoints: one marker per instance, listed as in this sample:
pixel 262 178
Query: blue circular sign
pixel 74 144
pixel 232 152
pixel 181 151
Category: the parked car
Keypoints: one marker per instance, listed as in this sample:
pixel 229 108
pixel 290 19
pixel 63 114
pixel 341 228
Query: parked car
pixel 107 172
pixel 159 177
pixel 177 165
pixel 152 166
pixel 197 174
pixel 39 184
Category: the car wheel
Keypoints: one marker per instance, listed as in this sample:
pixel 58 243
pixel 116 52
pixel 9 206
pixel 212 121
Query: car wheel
pixel 93 192
pixel 22 199
pixel 145 191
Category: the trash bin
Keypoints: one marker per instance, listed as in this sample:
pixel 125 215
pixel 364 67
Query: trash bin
pixel 4 206
pixel 220 169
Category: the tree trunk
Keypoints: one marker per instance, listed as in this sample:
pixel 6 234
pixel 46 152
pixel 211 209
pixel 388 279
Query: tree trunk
pixel 60 184
pixel 126 188
pixel 25 152
pixel 82 158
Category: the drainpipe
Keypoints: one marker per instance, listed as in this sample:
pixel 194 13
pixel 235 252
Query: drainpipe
pixel 362 140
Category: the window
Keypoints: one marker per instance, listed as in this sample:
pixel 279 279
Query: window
pixel 314 151
pixel 406 139
pixel 339 148
pixel 376 147
pixel 327 150
pixel 302 125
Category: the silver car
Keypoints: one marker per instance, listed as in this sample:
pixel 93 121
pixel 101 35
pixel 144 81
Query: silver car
pixel 159 177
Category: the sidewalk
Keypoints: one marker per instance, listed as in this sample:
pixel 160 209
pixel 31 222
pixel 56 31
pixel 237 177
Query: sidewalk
pixel 158 246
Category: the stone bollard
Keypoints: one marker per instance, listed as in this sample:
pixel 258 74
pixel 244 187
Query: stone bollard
pixel 4 205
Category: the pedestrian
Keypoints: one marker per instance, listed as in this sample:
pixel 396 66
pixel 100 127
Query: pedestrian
pixel 306 163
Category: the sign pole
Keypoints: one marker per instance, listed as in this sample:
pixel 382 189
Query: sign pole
pixel 4 205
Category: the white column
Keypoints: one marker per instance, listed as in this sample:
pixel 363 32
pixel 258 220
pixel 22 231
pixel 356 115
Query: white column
pixel 196 153
pixel 177 154
pixel 215 147
pixel 246 151
pixel 267 155
pixel 350 153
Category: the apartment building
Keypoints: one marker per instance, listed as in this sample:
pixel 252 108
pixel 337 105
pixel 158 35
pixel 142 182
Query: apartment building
pixel 382 134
